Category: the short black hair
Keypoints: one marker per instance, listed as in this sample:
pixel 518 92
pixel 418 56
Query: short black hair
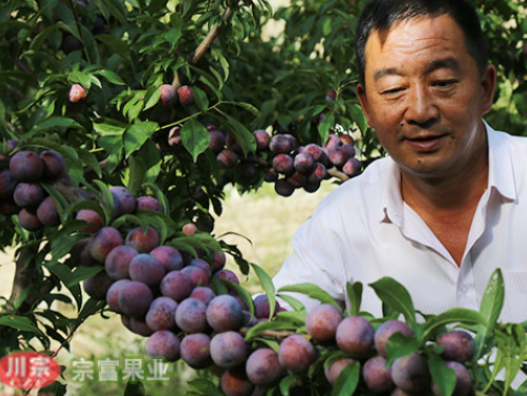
pixel 382 14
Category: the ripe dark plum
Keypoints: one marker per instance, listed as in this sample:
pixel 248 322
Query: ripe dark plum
pixel 7 183
pixel 29 220
pixel 149 203
pixel 197 276
pixel 318 174
pixel 47 212
pixel 263 367
pixel 80 253
pixel 334 368
pixel 142 242
pixel 139 326
pixel 234 382
pixel 459 346
pixel 103 242
pixel 26 166
pixel 217 140
pixel 185 95
pixel 161 314
pixel 291 139
pixel 163 343
pixel 297 179
pixel 226 274
pixel 355 336
pixel 232 144
pixel 195 350
pixel 410 373
pixel 169 256
pixel 224 313
pixel 227 158
pixel 123 201
pixel 338 156
pixel 280 144
pixel 28 195
pixel 176 285
pixel 284 164
pixel 377 376
pixel 54 165
pixel 349 150
pixel 296 354
pixel 228 349
pixel 117 263
pixel 261 306
pixel 270 175
pixel 314 150
pixel 112 295
pixel 284 188
pixel 91 217
pixel 400 392
pixel 385 331
pixel 168 95
pixel 304 162
pixel 463 382
pixel 262 139
pixel 322 322
pixel 203 294
pixel 8 207
pixel 191 316
pixel 97 286
pixel 134 298
pixel 202 264
pixel 352 167
pixel 147 269
pixel 218 261
pixel 311 187
pixel 332 142
pixel 346 139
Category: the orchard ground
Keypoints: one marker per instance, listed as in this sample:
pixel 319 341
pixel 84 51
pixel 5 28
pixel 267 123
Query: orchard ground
pixel 266 219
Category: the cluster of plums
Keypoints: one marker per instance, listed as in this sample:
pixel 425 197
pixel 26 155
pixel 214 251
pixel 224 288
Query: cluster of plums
pixel 21 187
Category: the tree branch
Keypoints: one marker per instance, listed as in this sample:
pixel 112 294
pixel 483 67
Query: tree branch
pixel 207 41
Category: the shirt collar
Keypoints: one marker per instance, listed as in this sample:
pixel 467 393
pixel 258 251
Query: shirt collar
pixel 501 178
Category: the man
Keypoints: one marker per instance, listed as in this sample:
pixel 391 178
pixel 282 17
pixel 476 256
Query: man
pixel 446 208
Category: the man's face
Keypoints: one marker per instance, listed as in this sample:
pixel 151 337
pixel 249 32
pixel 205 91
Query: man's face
pixel 424 96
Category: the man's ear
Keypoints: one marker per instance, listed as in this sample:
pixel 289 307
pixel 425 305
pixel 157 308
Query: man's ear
pixel 488 85
pixel 364 103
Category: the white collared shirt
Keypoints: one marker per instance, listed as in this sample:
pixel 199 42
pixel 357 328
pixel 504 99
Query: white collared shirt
pixel 364 231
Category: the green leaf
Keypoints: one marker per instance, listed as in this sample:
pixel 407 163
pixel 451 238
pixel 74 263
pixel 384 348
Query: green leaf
pixel 20 323
pixel 111 76
pixel 399 345
pixel 443 377
pixel 327 123
pixel 454 315
pixel 242 293
pixel 201 99
pixel 246 106
pixel 268 286
pixel 287 383
pixel 355 297
pixel 160 196
pixel 312 291
pixel 490 309
pixel 90 160
pixel 55 122
pixel 136 173
pixel 347 380
pixel 240 133
pixel 152 96
pixel 195 137
pixel 293 302
pixel 393 294
pixel 358 117
pixel 273 325
pixel 107 206
pixel 136 135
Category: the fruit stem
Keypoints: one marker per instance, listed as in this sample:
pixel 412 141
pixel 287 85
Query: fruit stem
pixel 176 83
pixel 338 174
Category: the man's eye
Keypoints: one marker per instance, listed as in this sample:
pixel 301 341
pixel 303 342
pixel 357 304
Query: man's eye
pixel 445 83
pixel 392 91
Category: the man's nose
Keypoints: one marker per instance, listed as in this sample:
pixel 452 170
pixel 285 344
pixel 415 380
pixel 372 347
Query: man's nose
pixel 421 109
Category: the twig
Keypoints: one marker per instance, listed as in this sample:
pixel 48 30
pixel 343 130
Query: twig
pixel 176 83
pixel 338 174
pixel 207 41
pixel 273 334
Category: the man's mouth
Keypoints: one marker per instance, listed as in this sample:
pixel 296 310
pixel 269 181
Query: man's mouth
pixel 425 142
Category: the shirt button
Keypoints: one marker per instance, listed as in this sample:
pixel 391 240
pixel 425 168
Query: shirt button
pixel 464 289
